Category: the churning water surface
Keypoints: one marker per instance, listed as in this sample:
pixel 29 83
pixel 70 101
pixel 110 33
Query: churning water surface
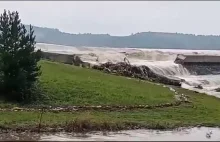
pixel 160 61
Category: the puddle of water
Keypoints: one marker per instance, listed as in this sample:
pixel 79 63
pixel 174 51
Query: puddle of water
pixel 193 134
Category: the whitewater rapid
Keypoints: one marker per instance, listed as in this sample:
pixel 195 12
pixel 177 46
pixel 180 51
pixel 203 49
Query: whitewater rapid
pixel 160 61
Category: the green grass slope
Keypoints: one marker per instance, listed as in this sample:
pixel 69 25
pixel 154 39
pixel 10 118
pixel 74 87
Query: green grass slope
pixel 70 85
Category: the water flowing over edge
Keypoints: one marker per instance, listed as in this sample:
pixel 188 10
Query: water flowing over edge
pixel 160 61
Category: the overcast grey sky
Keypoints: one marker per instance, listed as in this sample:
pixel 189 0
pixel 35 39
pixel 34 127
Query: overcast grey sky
pixel 120 18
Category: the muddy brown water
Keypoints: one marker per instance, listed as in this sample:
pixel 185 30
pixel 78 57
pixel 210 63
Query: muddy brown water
pixel 192 134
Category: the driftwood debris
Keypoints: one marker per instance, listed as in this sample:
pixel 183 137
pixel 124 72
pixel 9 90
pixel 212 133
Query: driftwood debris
pixel 140 72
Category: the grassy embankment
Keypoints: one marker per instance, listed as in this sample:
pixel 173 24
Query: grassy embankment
pixel 69 85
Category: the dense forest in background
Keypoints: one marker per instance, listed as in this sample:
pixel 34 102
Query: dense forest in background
pixel 138 40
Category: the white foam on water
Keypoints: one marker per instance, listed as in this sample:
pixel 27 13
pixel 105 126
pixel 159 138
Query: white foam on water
pixel 160 61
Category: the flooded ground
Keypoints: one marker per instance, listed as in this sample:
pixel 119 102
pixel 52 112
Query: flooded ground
pixel 193 134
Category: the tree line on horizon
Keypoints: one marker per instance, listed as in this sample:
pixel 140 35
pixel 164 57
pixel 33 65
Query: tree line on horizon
pixel 138 40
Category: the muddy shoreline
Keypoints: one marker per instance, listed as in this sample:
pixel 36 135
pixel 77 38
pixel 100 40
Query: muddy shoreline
pixel 184 134
pixel 85 126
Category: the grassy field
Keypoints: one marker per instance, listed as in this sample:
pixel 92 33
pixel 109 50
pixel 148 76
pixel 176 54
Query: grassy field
pixel 68 85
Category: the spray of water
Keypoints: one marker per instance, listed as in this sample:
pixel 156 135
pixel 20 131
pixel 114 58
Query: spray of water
pixel 160 61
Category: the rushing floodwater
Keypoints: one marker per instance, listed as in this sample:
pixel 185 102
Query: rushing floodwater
pixel 160 61
pixel 193 134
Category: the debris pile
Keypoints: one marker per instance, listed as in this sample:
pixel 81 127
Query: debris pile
pixel 140 72
pixel 217 90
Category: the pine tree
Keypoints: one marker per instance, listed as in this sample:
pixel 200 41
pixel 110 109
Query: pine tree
pixel 18 68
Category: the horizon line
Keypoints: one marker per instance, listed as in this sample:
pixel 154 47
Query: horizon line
pixel 127 35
